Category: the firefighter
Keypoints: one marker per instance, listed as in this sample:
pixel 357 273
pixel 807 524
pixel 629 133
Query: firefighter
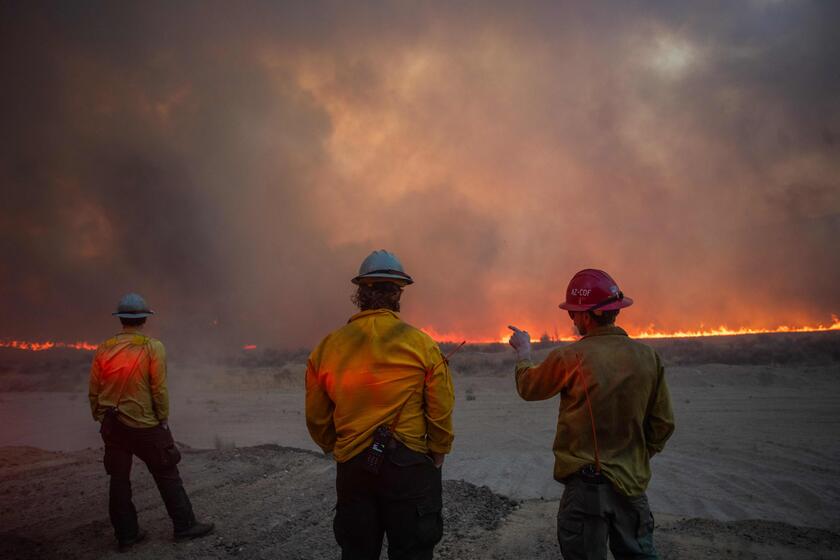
pixel 379 397
pixel 128 396
pixel 615 414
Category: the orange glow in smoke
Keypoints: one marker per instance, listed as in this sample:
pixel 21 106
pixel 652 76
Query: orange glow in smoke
pixel 250 347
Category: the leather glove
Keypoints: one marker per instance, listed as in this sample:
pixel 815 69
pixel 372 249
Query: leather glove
pixel 521 342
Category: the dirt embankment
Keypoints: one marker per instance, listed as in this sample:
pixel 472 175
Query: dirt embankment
pixel 267 501
pixel 276 502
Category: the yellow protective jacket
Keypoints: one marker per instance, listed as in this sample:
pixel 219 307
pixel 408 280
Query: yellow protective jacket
pixel 360 375
pixel 136 365
pixel 630 404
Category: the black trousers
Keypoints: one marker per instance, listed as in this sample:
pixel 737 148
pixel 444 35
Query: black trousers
pixel 156 448
pixel 403 501
pixel 591 515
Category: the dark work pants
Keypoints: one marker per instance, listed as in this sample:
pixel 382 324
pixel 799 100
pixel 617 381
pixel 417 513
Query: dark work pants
pixel 590 514
pixel 156 448
pixel 403 501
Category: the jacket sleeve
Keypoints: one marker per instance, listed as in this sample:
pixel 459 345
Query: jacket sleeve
pixel 543 381
pixel 157 380
pixel 319 410
pixel 439 398
pixel 93 387
pixel 659 422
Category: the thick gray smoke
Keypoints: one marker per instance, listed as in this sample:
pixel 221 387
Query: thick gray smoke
pixel 234 163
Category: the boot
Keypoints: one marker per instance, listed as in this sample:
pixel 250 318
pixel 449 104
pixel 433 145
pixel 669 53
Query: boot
pixel 195 531
pixel 125 544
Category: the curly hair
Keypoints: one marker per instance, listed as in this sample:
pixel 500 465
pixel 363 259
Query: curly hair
pixel 380 295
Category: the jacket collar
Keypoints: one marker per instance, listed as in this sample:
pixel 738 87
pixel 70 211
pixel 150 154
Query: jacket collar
pixel 606 330
pixel 371 312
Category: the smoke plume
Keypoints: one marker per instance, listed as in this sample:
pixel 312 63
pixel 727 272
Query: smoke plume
pixel 235 163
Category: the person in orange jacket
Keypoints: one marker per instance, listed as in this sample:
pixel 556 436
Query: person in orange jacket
pixel 129 397
pixel 379 397
pixel 615 414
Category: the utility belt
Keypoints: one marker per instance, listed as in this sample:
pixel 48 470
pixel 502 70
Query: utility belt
pixel 589 475
pixel 386 447
pixel 111 423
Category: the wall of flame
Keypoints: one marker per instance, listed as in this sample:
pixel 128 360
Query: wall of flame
pixel 454 337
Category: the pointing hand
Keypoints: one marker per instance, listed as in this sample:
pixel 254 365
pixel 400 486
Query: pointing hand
pixel 521 342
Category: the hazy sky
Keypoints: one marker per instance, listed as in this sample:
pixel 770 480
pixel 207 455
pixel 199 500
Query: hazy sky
pixel 235 162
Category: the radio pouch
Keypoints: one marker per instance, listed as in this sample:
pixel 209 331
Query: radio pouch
pixel 375 454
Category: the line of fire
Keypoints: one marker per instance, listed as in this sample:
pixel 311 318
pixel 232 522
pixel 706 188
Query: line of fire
pixel 38 346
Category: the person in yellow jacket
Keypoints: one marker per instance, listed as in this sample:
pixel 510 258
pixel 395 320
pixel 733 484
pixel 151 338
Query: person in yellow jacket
pixel 379 397
pixel 615 414
pixel 129 398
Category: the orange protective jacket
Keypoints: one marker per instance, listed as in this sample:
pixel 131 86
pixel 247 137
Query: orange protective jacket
pixel 360 375
pixel 631 406
pixel 136 365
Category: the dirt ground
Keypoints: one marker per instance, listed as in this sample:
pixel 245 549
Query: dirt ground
pixel 752 471
pixel 274 502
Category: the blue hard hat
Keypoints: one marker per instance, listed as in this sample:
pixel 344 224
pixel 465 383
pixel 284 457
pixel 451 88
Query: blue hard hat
pixel 382 266
pixel 132 306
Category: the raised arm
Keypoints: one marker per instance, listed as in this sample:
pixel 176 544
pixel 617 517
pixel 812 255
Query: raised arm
pixel 543 381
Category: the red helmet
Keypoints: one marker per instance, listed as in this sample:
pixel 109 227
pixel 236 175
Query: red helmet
pixel 592 289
